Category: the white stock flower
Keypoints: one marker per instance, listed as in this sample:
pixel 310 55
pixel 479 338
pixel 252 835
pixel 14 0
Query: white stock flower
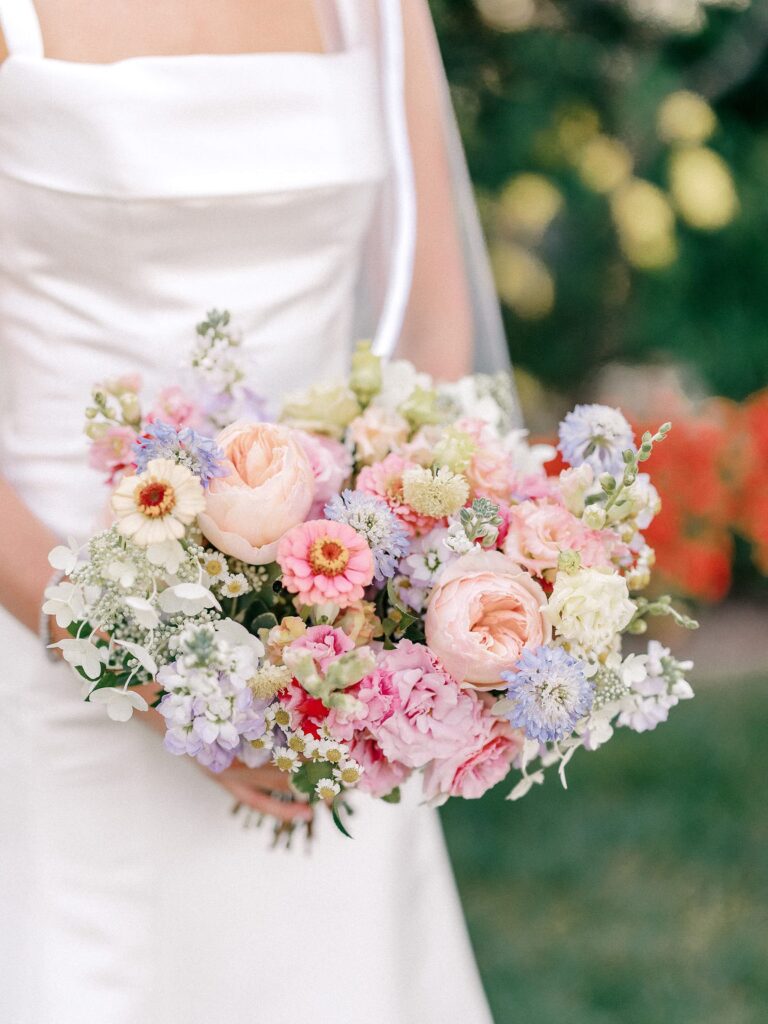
pixel 589 607
pixel 187 598
pixel 65 602
pixel 120 704
pixel 81 653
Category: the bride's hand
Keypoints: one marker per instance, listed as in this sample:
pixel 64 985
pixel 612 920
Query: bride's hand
pixel 252 788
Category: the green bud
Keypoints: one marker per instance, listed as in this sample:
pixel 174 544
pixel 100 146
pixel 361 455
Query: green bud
pixel 608 483
pixel 365 379
pixel 421 408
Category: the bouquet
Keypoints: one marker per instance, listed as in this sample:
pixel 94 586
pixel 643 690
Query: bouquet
pixel 380 581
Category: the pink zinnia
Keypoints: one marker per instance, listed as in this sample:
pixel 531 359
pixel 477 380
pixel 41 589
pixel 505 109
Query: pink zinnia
pixel 325 561
pixel 385 480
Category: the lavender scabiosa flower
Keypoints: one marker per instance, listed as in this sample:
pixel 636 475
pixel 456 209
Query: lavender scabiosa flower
pixel 597 435
pixel 199 454
pixel 549 693
pixel 371 518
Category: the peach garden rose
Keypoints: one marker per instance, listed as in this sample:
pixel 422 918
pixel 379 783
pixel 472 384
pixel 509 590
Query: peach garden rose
pixel 482 614
pixel 269 489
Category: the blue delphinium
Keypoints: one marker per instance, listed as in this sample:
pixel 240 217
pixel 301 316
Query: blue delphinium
pixel 597 435
pixel 374 520
pixel 550 693
pixel 199 454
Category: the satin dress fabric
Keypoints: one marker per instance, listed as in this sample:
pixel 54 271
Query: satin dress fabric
pixel 133 197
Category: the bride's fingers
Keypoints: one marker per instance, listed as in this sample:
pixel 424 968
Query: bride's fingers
pixel 268 778
pixel 265 804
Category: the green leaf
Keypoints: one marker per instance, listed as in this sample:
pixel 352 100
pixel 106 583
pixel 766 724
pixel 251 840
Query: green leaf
pixel 266 620
pixel 310 773
pixel 336 816
pixel 393 797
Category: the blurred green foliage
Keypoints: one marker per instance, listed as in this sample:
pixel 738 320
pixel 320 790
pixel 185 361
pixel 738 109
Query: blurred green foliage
pixel 639 896
pixel 599 268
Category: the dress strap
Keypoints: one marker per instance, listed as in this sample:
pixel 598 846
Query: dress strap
pixel 21 28
pixel 404 190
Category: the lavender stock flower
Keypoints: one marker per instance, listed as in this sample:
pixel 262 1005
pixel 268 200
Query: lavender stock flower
pixel 549 693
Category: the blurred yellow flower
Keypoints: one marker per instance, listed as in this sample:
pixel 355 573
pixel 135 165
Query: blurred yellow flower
pixel 576 124
pixel 685 118
pixel 604 163
pixel 528 204
pixel 507 15
pixel 702 188
pixel 523 281
pixel 645 223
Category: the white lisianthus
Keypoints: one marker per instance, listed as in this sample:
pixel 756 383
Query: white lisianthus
pixel 589 607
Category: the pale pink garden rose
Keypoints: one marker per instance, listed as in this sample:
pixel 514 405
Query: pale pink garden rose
pixel 482 614
pixel 269 489
pixel 331 466
pixel 472 771
pixel 435 715
pixel 540 530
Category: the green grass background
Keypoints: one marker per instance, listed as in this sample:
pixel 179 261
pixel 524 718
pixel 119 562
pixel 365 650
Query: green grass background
pixel 639 896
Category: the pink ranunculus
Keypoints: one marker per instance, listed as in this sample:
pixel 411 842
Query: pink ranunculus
pixel 331 466
pixel 435 715
pixel 324 643
pixel 173 406
pixel 491 471
pixel 380 775
pixel 472 771
pixel 269 489
pixel 481 615
pixel 112 453
pixel 540 530
pixel 325 562
pixel 385 480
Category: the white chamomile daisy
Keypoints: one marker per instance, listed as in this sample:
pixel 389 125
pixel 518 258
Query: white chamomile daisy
pixel 235 585
pixel 286 760
pixel 277 715
pixel 215 566
pixel 332 751
pixel 159 504
pixel 298 741
pixel 327 789
pixel 348 773
pixel 264 742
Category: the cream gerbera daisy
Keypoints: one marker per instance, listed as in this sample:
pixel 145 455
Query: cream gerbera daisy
pixel 158 504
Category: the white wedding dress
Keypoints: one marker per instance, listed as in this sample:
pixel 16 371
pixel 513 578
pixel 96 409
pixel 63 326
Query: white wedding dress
pixel 133 197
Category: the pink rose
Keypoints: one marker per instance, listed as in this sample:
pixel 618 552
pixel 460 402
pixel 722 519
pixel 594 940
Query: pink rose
pixel 331 466
pixel 481 615
pixel 376 433
pixel 324 643
pixel 471 772
pixel 435 715
pixel 268 491
pixel 490 471
pixel 380 776
pixel 540 530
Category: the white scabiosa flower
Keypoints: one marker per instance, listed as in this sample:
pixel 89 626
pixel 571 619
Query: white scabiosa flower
pixel 159 504
pixel 597 435
pixel 436 494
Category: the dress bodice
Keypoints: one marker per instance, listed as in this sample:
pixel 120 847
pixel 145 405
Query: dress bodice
pixel 136 195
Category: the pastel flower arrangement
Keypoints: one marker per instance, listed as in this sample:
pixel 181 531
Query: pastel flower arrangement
pixel 379 584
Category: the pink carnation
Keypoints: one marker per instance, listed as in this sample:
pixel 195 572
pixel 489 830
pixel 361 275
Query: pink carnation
pixel 385 480
pixel 112 453
pixel 324 643
pixel 174 407
pixel 475 769
pixel 325 561
pixel 540 530
pixel 331 465
pixel 379 699
pixel 380 775
pixel 435 715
